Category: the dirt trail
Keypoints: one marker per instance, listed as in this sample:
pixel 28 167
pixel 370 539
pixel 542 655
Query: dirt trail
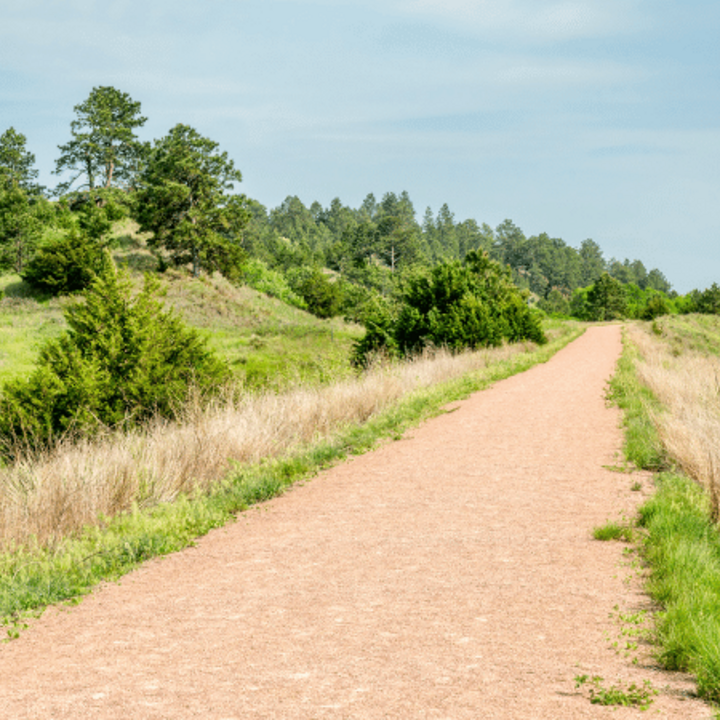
pixel 448 575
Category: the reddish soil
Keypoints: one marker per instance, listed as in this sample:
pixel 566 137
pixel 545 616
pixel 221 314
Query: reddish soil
pixel 451 574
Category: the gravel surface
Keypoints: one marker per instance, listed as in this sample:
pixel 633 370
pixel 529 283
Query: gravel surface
pixel 451 574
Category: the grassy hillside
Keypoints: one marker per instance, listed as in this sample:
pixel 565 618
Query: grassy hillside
pixel 25 323
pixel 264 341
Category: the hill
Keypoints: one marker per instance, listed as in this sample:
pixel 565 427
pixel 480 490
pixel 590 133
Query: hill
pixel 264 341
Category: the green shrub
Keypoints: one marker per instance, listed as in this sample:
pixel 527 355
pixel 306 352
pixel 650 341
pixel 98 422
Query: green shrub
pixel 260 277
pixel 556 303
pixel 324 297
pixel 122 361
pixel 656 306
pixel 67 262
pixel 607 299
pixel 379 320
pixel 454 305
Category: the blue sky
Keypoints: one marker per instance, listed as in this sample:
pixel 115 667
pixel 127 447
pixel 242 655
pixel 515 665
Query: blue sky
pixel 579 118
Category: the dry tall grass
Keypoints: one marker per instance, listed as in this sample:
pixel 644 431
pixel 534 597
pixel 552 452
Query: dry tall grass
pixel 51 496
pixel 687 384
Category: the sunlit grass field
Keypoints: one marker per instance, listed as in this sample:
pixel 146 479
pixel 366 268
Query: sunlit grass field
pixel 265 342
pixel 25 324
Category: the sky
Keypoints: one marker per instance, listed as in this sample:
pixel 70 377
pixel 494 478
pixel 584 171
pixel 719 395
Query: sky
pixel 579 118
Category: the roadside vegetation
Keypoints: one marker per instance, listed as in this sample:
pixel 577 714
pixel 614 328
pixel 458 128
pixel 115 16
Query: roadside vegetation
pixel 89 511
pixel 667 386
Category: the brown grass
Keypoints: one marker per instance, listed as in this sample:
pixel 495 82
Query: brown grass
pixel 686 381
pixel 57 494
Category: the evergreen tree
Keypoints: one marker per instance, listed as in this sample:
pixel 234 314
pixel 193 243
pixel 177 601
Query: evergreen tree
pixel 23 218
pixel 592 262
pixel 707 301
pixel 338 219
pixel 183 200
pixel 104 149
pixel 295 222
pixel 446 236
pixel 472 237
pixel 17 164
pixel 122 361
pixel 657 281
pixel 607 299
pixel 369 207
pixel 24 212
pixel 429 236
pixel 509 245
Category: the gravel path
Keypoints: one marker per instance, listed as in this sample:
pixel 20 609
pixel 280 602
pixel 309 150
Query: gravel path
pixel 448 575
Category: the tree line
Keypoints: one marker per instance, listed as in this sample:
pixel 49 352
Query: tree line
pixel 181 190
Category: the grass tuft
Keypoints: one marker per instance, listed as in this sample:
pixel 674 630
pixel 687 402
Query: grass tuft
pixel 614 531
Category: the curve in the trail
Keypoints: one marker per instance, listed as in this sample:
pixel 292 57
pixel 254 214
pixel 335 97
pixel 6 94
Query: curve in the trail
pixel 451 574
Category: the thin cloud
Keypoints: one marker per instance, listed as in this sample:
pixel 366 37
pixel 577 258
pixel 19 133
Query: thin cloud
pixel 569 73
pixel 537 19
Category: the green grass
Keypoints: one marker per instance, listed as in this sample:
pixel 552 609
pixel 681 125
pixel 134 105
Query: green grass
pixel 613 531
pixel 681 544
pixel 642 443
pixel 265 342
pixel 699 333
pixel 32 577
pixel 25 324
pixel 683 549
pixel 632 695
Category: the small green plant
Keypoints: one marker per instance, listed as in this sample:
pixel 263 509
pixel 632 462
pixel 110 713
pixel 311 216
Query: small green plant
pixel 632 695
pixel 622 468
pixel 65 263
pixel 613 531
pixel 636 486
